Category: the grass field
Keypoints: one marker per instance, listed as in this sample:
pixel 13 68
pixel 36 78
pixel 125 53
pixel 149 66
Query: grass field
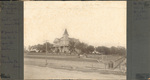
pixel 68 67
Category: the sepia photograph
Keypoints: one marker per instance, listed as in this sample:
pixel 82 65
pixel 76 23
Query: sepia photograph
pixel 75 40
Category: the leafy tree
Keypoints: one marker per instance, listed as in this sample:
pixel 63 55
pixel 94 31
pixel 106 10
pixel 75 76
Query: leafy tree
pixel 72 46
pixel 100 49
pixel 90 49
pixel 106 50
pixel 42 47
pixel 113 50
pixel 82 47
pixel 121 51
pixel 49 46
pixel 103 50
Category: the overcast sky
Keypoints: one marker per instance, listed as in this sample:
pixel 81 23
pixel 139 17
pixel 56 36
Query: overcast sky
pixel 98 23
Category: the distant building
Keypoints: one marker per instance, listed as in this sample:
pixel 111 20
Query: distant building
pixel 62 44
pixel 34 50
pixel 96 52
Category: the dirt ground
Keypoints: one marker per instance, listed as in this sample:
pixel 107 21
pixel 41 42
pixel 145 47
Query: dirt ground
pixel 35 68
pixel 36 72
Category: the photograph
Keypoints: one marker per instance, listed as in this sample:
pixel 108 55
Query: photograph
pixel 75 40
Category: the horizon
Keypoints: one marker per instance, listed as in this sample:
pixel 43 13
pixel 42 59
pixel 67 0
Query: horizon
pixel 75 38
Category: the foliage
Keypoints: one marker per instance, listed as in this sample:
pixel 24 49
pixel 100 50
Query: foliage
pixel 82 48
pixel 72 46
pixel 111 51
pixel 90 49
pixel 103 50
pixel 42 47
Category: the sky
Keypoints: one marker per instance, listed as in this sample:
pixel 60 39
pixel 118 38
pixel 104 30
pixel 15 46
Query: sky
pixel 97 23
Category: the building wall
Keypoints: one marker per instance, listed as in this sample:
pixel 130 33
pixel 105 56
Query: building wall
pixel 62 44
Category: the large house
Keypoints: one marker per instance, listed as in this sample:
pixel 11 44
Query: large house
pixel 62 44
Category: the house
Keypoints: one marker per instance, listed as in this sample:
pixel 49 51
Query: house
pixel 96 52
pixel 34 50
pixel 62 44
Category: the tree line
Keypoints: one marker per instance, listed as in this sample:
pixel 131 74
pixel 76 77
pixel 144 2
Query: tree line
pixel 82 48
pixel 41 47
pixel 112 50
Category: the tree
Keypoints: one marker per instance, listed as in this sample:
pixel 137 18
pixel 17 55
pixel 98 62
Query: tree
pixel 39 47
pixel 42 47
pixel 121 51
pixel 82 47
pixel 72 46
pixel 113 50
pixel 103 49
pixel 106 50
pixel 48 45
pixel 90 49
pixel 100 49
